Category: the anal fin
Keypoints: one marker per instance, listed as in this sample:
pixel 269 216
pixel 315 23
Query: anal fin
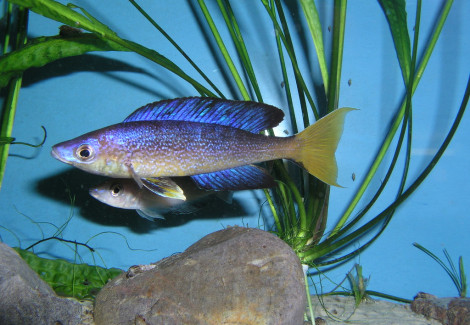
pixel 246 177
pixel 149 214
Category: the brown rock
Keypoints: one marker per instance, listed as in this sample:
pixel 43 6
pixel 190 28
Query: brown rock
pixel 458 311
pixel 233 276
pixel 449 311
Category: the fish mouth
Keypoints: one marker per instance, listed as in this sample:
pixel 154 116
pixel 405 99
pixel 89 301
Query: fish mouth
pixel 56 154
pixel 93 192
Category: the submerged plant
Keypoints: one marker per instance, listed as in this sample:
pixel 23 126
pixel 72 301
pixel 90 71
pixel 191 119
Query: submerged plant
pixel 80 281
pixel 299 204
pixel 69 277
pixel 11 140
pixel 458 277
pixel 358 285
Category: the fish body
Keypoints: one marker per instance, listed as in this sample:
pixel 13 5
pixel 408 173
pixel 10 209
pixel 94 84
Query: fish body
pixel 124 193
pixel 214 141
pixel 172 148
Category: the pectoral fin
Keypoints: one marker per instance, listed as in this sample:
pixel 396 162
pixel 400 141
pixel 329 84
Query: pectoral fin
pixel 164 186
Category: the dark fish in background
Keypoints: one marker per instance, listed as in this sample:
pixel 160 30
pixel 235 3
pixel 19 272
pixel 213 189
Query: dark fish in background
pixel 215 141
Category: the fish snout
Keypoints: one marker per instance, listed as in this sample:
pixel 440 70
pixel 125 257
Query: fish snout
pixel 58 153
pixel 94 192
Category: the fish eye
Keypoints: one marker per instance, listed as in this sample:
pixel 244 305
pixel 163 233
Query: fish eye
pixel 85 152
pixel 116 189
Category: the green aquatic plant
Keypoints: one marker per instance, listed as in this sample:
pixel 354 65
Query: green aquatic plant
pixel 300 212
pixel 13 85
pixel 80 281
pixel 358 285
pixel 458 277
pixel 69 276
pixel 11 140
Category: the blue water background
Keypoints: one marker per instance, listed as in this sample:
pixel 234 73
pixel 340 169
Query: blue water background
pixel 77 95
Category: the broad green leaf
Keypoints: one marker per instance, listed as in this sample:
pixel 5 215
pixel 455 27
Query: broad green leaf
pixel 43 50
pixel 81 281
pixel 65 14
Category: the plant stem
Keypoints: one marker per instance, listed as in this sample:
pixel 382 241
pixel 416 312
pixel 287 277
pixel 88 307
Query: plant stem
pixel 10 104
pixel 309 298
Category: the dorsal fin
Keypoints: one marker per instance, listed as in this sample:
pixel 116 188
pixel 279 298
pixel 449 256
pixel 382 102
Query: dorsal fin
pixel 250 116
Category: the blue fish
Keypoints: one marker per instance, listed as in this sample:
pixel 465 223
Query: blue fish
pixel 214 141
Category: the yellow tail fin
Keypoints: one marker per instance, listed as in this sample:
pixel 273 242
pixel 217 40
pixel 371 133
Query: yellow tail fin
pixel 318 145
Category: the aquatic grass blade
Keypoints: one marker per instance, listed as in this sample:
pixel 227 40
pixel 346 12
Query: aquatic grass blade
pixel 395 12
pixel 326 248
pixel 463 278
pixel 302 90
pixel 398 119
pixel 287 87
pixel 339 25
pixel 177 47
pixel 313 21
pixel 223 50
pixel 289 49
pixel 10 104
pixel 8 118
pixel 66 15
pixel 458 277
pixel 237 39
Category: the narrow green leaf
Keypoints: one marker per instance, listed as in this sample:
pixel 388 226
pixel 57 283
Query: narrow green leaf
pixel 65 14
pixel 239 43
pixel 313 21
pixel 396 123
pixel 290 50
pixel 463 279
pixel 395 12
pixel 336 54
pixel 54 10
pixel 326 248
pixel 43 50
pixel 177 47
pixel 458 277
pixel 223 50
pixel 10 103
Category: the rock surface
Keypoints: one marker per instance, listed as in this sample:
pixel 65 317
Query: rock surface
pixel 233 276
pixel 26 299
pixel 337 310
pixel 449 311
